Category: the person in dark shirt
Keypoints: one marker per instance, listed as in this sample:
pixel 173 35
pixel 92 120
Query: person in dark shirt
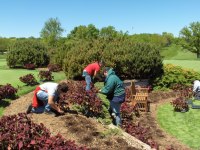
pixel 115 92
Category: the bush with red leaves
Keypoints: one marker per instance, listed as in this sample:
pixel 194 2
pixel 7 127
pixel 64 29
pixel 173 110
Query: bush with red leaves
pixel 45 75
pixel 7 91
pixel 54 67
pixel 180 104
pixel 28 79
pixel 29 66
pixel 90 103
pixel 19 132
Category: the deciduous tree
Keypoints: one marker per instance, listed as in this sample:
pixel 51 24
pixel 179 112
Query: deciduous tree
pixel 89 32
pixel 191 36
pixel 51 31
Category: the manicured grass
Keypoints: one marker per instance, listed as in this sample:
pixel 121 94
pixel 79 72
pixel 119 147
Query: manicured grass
pixel 3 64
pixel 2 56
pixel 176 52
pixel 12 76
pixel 196 102
pixel 176 55
pixel 190 64
pixel 169 52
pixel 184 126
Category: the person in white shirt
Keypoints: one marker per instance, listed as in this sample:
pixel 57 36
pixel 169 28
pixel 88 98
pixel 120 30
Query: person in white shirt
pixel 45 96
pixel 196 89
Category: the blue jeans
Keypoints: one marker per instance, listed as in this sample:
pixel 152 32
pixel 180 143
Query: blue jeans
pixel 88 80
pixel 197 95
pixel 115 108
pixel 42 96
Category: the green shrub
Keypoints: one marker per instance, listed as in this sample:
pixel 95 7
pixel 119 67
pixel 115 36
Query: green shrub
pixel 129 59
pixel 175 75
pixel 24 52
pixel 133 60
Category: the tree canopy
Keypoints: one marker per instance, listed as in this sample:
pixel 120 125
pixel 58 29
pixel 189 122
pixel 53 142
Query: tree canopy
pixel 81 32
pixel 191 36
pixel 52 31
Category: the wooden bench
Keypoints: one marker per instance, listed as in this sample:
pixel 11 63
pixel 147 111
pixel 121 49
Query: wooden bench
pixel 139 97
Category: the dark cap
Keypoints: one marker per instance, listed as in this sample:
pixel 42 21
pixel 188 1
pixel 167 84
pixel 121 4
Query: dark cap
pixel 106 69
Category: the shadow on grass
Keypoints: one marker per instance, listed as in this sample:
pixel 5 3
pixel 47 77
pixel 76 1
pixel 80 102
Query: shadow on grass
pixel 4 103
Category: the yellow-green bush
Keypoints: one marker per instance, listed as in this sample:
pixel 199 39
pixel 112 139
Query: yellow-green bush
pixel 175 75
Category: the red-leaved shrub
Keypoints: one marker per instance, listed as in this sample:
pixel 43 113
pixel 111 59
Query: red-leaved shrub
pixel 29 66
pixel 7 91
pixel 19 132
pixel 45 75
pixel 28 79
pixel 54 67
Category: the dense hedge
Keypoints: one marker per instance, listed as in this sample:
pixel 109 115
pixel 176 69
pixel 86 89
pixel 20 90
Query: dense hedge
pixel 80 55
pixel 133 60
pixel 174 75
pixel 129 59
pixel 24 52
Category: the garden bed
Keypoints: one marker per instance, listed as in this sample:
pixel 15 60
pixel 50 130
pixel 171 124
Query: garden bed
pixel 84 131
pixel 88 132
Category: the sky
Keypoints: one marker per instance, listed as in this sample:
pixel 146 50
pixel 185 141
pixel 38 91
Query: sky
pixel 26 18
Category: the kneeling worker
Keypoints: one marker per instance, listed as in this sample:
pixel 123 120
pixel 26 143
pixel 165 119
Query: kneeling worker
pixel 45 96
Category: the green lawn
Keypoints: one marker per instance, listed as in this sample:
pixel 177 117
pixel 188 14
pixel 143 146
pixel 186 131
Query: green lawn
pixel 184 126
pixel 176 55
pixel 3 64
pixel 12 76
pixel 176 52
pixel 2 56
